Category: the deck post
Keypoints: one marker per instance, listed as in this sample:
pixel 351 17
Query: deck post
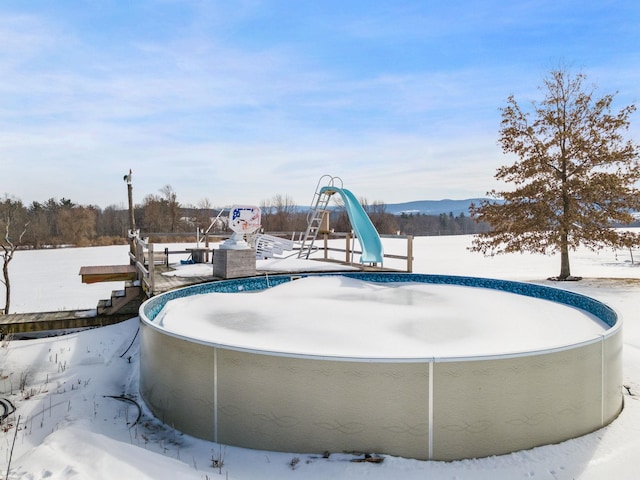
pixel 150 268
pixel 348 248
pixel 410 253
pixel 326 245
pixel 132 218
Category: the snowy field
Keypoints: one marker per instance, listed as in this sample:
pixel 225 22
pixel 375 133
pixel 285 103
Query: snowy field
pixel 72 422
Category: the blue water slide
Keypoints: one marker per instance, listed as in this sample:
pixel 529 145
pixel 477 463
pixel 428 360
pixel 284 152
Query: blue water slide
pixel 370 242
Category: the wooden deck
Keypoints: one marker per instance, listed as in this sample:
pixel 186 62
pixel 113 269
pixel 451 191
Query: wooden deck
pixel 164 283
pixel 24 323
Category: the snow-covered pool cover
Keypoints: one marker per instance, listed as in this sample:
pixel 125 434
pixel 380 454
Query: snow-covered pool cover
pixel 346 317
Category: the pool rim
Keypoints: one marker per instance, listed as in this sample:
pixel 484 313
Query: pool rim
pixel 600 310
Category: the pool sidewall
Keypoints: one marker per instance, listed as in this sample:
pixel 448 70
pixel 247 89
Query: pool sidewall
pixel 423 408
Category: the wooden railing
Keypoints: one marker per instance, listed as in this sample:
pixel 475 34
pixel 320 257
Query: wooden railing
pixel 350 252
pixel 142 256
pixel 145 258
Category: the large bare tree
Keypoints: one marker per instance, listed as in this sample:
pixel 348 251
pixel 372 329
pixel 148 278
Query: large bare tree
pixel 278 214
pixel 173 207
pixel 575 175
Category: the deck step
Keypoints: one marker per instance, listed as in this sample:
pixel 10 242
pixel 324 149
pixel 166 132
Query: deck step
pixel 103 304
pixel 122 301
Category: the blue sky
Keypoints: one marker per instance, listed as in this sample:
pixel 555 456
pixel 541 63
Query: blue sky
pixel 240 101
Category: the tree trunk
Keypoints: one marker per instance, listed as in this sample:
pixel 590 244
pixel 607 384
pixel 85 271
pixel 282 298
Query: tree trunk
pixel 565 271
pixel 7 285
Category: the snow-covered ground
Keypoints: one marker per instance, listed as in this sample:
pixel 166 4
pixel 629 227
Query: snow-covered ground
pixel 72 421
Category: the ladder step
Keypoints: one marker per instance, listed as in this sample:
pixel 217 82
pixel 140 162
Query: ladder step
pixel 315 218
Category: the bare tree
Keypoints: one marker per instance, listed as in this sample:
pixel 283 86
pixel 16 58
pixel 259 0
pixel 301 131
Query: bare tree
pixel 77 225
pixel 113 221
pixel 203 214
pixel 153 218
pixel 173 207
pixel 13 223
pixel 278 214
pixel 39 227
pixel 384 222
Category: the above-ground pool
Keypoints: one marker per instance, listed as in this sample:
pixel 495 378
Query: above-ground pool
pixel 423 366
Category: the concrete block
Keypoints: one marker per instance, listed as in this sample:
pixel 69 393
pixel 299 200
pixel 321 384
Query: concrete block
pixel 234 263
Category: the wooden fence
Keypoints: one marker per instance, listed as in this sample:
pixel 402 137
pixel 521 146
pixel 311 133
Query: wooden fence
pixel 350 252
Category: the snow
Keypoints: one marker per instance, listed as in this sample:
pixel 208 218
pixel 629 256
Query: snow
pixel 48 280
pixel 73 425
pixel 324 315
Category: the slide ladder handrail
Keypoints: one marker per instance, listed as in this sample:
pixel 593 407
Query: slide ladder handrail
pixel 317 212
pixel 316 202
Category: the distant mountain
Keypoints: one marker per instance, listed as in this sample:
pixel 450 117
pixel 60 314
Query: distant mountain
pixel 432 207
pixel 425 207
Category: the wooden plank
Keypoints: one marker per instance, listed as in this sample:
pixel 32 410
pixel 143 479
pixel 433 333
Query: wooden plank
pixel 106 269
pixel 24 323
pixel 108 273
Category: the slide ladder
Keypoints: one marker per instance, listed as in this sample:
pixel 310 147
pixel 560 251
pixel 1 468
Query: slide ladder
pixel 316 214
pixel 366 233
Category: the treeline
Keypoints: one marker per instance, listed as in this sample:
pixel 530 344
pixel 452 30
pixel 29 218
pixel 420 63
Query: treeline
pixel 443 224
pixel 62 222
pixel 280 215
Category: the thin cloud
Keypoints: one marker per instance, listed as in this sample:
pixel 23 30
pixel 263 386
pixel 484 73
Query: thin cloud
pixel 242 101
